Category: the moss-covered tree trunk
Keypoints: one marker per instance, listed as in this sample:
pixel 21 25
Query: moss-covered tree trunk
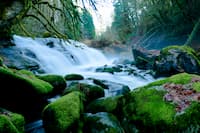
pixel 193 33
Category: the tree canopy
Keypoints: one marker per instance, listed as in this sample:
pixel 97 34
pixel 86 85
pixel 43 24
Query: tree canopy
pixel 59 18
pixel 154 18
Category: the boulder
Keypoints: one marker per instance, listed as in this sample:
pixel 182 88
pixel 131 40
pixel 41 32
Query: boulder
pixel 144 59
pixel 11 122
pixel 91 92
pixel 167 105
pixel 22 92
pixel 106 104
pixel 101 122
pixel 176 59
pixel 16 58
pixel 62 116
pixel 109 69
pixel 57 81
pixel 74 77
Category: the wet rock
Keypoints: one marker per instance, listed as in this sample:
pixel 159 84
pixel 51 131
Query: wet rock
pixel 11 122
pixel 144 59
pixel 17 59
pixel 91 92
pixel 62 116
pixel 23 93
pixel 176 59
pixel 74 77
pixel 109 69
pixel 57 81
pixel 106 104
pixel 167 105
pixel 101 123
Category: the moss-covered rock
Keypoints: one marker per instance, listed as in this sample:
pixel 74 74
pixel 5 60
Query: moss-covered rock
pixel 74 77
pixel 22 92
pixel 63 115
pixel 177 59
pixel 106 104
pixel 91 92
pixel 1 61
pixel 101 122
pixel 11 122
pixel 166 105
pixel 108 69
pixel 57 81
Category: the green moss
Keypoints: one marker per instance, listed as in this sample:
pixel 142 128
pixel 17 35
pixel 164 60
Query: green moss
pixel 186 49
pixel 108 104
pixel 91 92
pixel 40 86
pixel 57 81
pixel 101 122
pixel 18 121
pixel 62 114
pixel 74 77
pixel 182 78
pixel 183 48
pixel 6 126
pixel 196 86
pixel 1 61
pixel 190 118
pixel 150 108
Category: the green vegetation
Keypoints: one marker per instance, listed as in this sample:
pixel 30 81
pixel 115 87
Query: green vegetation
pixel 142 21
pixel 63 114
pixel 101 123
pixel 91 92
pixel 39 86
pixel 57 81
pixel 88 29
pixel 74 77
pixel 190 118
pixel 196 86
pixel 109 104
pixel 11 122
pixel 58 18
pixel 149 107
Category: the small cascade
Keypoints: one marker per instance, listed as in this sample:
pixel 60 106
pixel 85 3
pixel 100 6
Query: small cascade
pixel 56 56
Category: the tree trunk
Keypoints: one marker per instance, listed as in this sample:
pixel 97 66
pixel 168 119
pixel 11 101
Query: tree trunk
pixel 193 33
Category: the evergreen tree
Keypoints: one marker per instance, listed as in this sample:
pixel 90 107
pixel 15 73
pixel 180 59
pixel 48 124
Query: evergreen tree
pixel 87 28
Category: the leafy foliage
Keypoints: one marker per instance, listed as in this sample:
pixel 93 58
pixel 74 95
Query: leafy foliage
pixel 88 29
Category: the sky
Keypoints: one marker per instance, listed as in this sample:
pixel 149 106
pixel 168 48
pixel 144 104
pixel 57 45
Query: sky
pixel 103 17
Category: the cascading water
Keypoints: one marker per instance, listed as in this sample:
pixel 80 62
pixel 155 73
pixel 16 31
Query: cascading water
pixel 56 56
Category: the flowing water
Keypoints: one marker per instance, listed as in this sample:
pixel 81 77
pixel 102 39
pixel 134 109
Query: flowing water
pixel 56 56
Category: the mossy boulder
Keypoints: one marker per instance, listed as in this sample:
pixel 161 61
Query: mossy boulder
pixel 177 59
pixel 74 77
pixel 62 116
pixel 100 83
pixel 168 105
pixel 91 92
pixel 57 81
pixel 1 61
pixel 22 92
pixel 109 69
pixel 144 59
pixel 11 122
pixel 101 122
pixel 106 104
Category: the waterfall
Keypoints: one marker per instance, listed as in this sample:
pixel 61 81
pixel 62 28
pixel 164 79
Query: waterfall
pixel 57 56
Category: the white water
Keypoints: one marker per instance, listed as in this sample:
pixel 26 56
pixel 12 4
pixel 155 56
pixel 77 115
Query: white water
pixel 74 57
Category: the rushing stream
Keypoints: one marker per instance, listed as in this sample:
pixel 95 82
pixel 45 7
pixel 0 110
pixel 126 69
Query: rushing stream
pixel 56 56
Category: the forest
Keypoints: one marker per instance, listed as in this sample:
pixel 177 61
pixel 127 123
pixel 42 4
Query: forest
pixel 58 74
